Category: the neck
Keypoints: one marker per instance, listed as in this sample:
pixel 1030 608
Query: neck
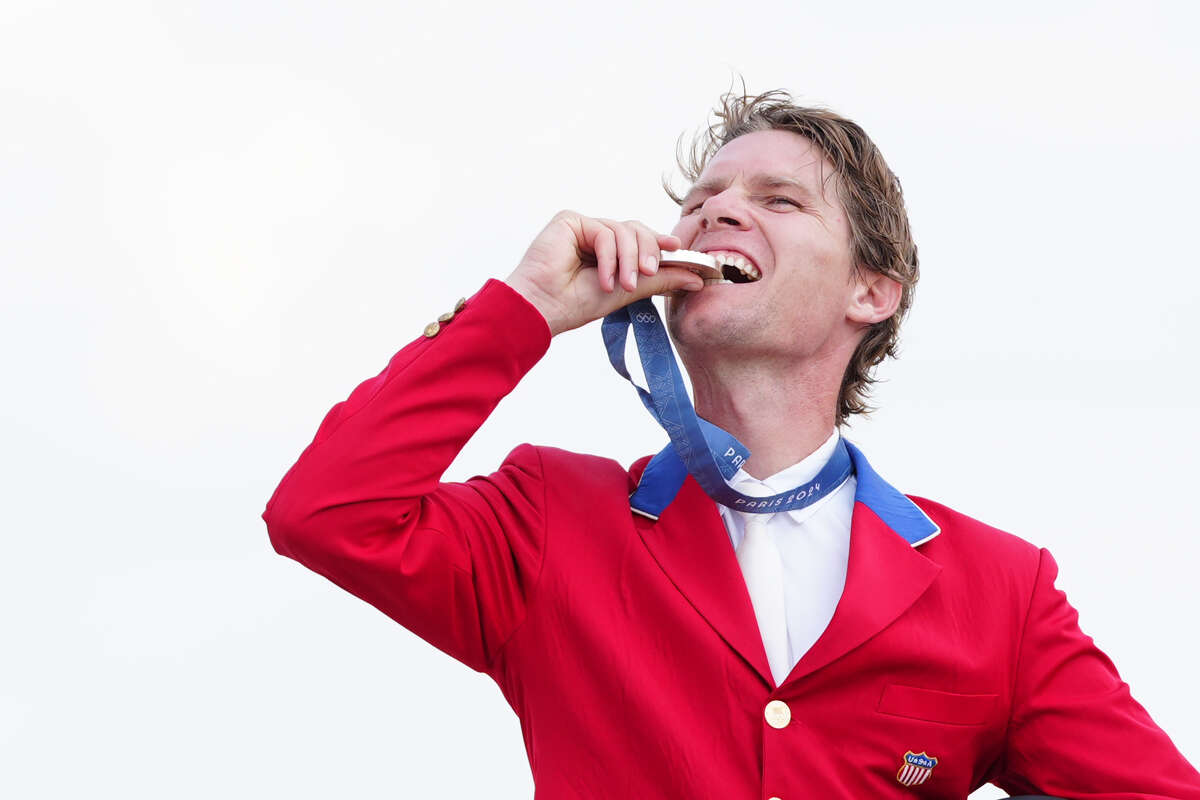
pixel 782 413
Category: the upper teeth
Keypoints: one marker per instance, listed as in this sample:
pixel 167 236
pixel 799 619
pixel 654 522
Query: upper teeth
pixel 725 257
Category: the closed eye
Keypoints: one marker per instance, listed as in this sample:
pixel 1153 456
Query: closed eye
pixel 692 208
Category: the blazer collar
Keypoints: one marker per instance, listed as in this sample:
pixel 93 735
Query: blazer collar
pixel 904 517
pixel 663 480
pixel 885 574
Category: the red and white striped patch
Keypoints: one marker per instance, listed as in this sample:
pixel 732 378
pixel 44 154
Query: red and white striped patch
pixel 916 768
pixel 913 776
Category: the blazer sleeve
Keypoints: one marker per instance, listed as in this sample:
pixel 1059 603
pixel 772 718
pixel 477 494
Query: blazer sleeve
pixel 454 563
pixel 1075 729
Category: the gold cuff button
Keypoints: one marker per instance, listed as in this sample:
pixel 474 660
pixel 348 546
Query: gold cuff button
pixel 431 330
pixel 778 714
pixel 460 305
pixel 444 318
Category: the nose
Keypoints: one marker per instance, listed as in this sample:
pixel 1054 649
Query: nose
pixel 722 210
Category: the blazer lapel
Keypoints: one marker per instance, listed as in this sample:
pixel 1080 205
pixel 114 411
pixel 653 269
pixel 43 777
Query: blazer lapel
pixel 884 576
pixel 690 543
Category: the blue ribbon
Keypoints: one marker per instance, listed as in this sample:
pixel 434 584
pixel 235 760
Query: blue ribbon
pixel 697 447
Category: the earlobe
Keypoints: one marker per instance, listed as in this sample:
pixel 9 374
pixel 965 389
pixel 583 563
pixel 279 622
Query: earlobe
pixel 876 297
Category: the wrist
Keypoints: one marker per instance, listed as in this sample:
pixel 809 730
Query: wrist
pixel 548 308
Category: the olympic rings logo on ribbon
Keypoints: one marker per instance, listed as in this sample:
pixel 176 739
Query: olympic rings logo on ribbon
pixel 642 316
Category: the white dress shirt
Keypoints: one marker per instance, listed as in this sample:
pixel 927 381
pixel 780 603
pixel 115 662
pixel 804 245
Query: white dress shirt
pixel 813 542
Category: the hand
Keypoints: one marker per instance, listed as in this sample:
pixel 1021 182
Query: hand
pixel 580 268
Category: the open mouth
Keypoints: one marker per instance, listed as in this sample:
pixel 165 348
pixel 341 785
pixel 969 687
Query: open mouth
pixel 735 267
pixel 715 266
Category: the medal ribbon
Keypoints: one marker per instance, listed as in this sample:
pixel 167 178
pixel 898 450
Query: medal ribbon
pixel 711 455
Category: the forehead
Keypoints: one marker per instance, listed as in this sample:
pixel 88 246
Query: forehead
pixel 769 154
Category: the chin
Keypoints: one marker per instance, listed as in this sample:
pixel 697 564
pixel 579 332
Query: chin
pixel 697 326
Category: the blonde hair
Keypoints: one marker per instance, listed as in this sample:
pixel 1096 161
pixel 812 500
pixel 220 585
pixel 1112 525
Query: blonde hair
pixel 869 192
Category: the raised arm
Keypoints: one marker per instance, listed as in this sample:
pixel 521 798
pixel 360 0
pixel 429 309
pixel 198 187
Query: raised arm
pixel 364 505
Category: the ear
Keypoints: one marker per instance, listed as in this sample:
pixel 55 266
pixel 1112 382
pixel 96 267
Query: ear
pixel 875 297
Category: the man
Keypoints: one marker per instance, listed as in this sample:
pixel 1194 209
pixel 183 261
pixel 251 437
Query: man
pixel 855 643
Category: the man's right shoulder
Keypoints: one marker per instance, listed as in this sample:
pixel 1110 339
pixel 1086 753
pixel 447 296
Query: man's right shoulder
pixel 566 468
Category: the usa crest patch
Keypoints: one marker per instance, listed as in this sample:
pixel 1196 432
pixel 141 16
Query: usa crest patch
pixel 916 769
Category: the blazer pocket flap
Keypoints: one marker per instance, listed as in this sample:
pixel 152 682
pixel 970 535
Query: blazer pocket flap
pixel 931 705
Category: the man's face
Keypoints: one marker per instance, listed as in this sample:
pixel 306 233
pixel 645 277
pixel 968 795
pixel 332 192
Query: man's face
pixel 772 197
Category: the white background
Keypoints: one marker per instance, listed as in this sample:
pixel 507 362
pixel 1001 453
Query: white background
pixel 217 218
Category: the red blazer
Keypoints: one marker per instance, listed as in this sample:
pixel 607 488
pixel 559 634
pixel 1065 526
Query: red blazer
pixel 628 647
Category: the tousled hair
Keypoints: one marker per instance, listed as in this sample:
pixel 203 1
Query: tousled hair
pixel 869 191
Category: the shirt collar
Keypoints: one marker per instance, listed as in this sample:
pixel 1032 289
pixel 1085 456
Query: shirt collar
pixel 664 474
pixel 797 474
pixel 899 513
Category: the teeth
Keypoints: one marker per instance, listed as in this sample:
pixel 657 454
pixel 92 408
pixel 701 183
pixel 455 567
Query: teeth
pixel 715 281
pixel 743 266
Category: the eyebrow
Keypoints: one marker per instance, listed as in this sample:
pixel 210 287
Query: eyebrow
pixel 761 180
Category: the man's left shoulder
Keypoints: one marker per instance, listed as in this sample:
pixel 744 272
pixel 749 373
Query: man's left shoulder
pixel 968 544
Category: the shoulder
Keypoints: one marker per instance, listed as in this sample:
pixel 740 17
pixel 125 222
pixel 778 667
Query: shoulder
pixel 966 535
pixel 977 554
pixel 568 468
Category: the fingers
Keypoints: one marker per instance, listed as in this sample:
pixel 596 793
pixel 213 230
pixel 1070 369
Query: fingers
pixel 626 263
pixel 647 248
pixel 601 238
pixel 669 242
pixel 625 250
pixel 628 254
pixel 555 273
pixel 604 245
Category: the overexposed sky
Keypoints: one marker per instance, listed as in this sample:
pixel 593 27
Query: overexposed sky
pixel 216 219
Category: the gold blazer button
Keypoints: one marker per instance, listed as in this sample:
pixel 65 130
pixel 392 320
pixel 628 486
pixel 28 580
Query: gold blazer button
pixel 778 714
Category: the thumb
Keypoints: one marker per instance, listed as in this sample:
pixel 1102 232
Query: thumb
pixel 667 280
